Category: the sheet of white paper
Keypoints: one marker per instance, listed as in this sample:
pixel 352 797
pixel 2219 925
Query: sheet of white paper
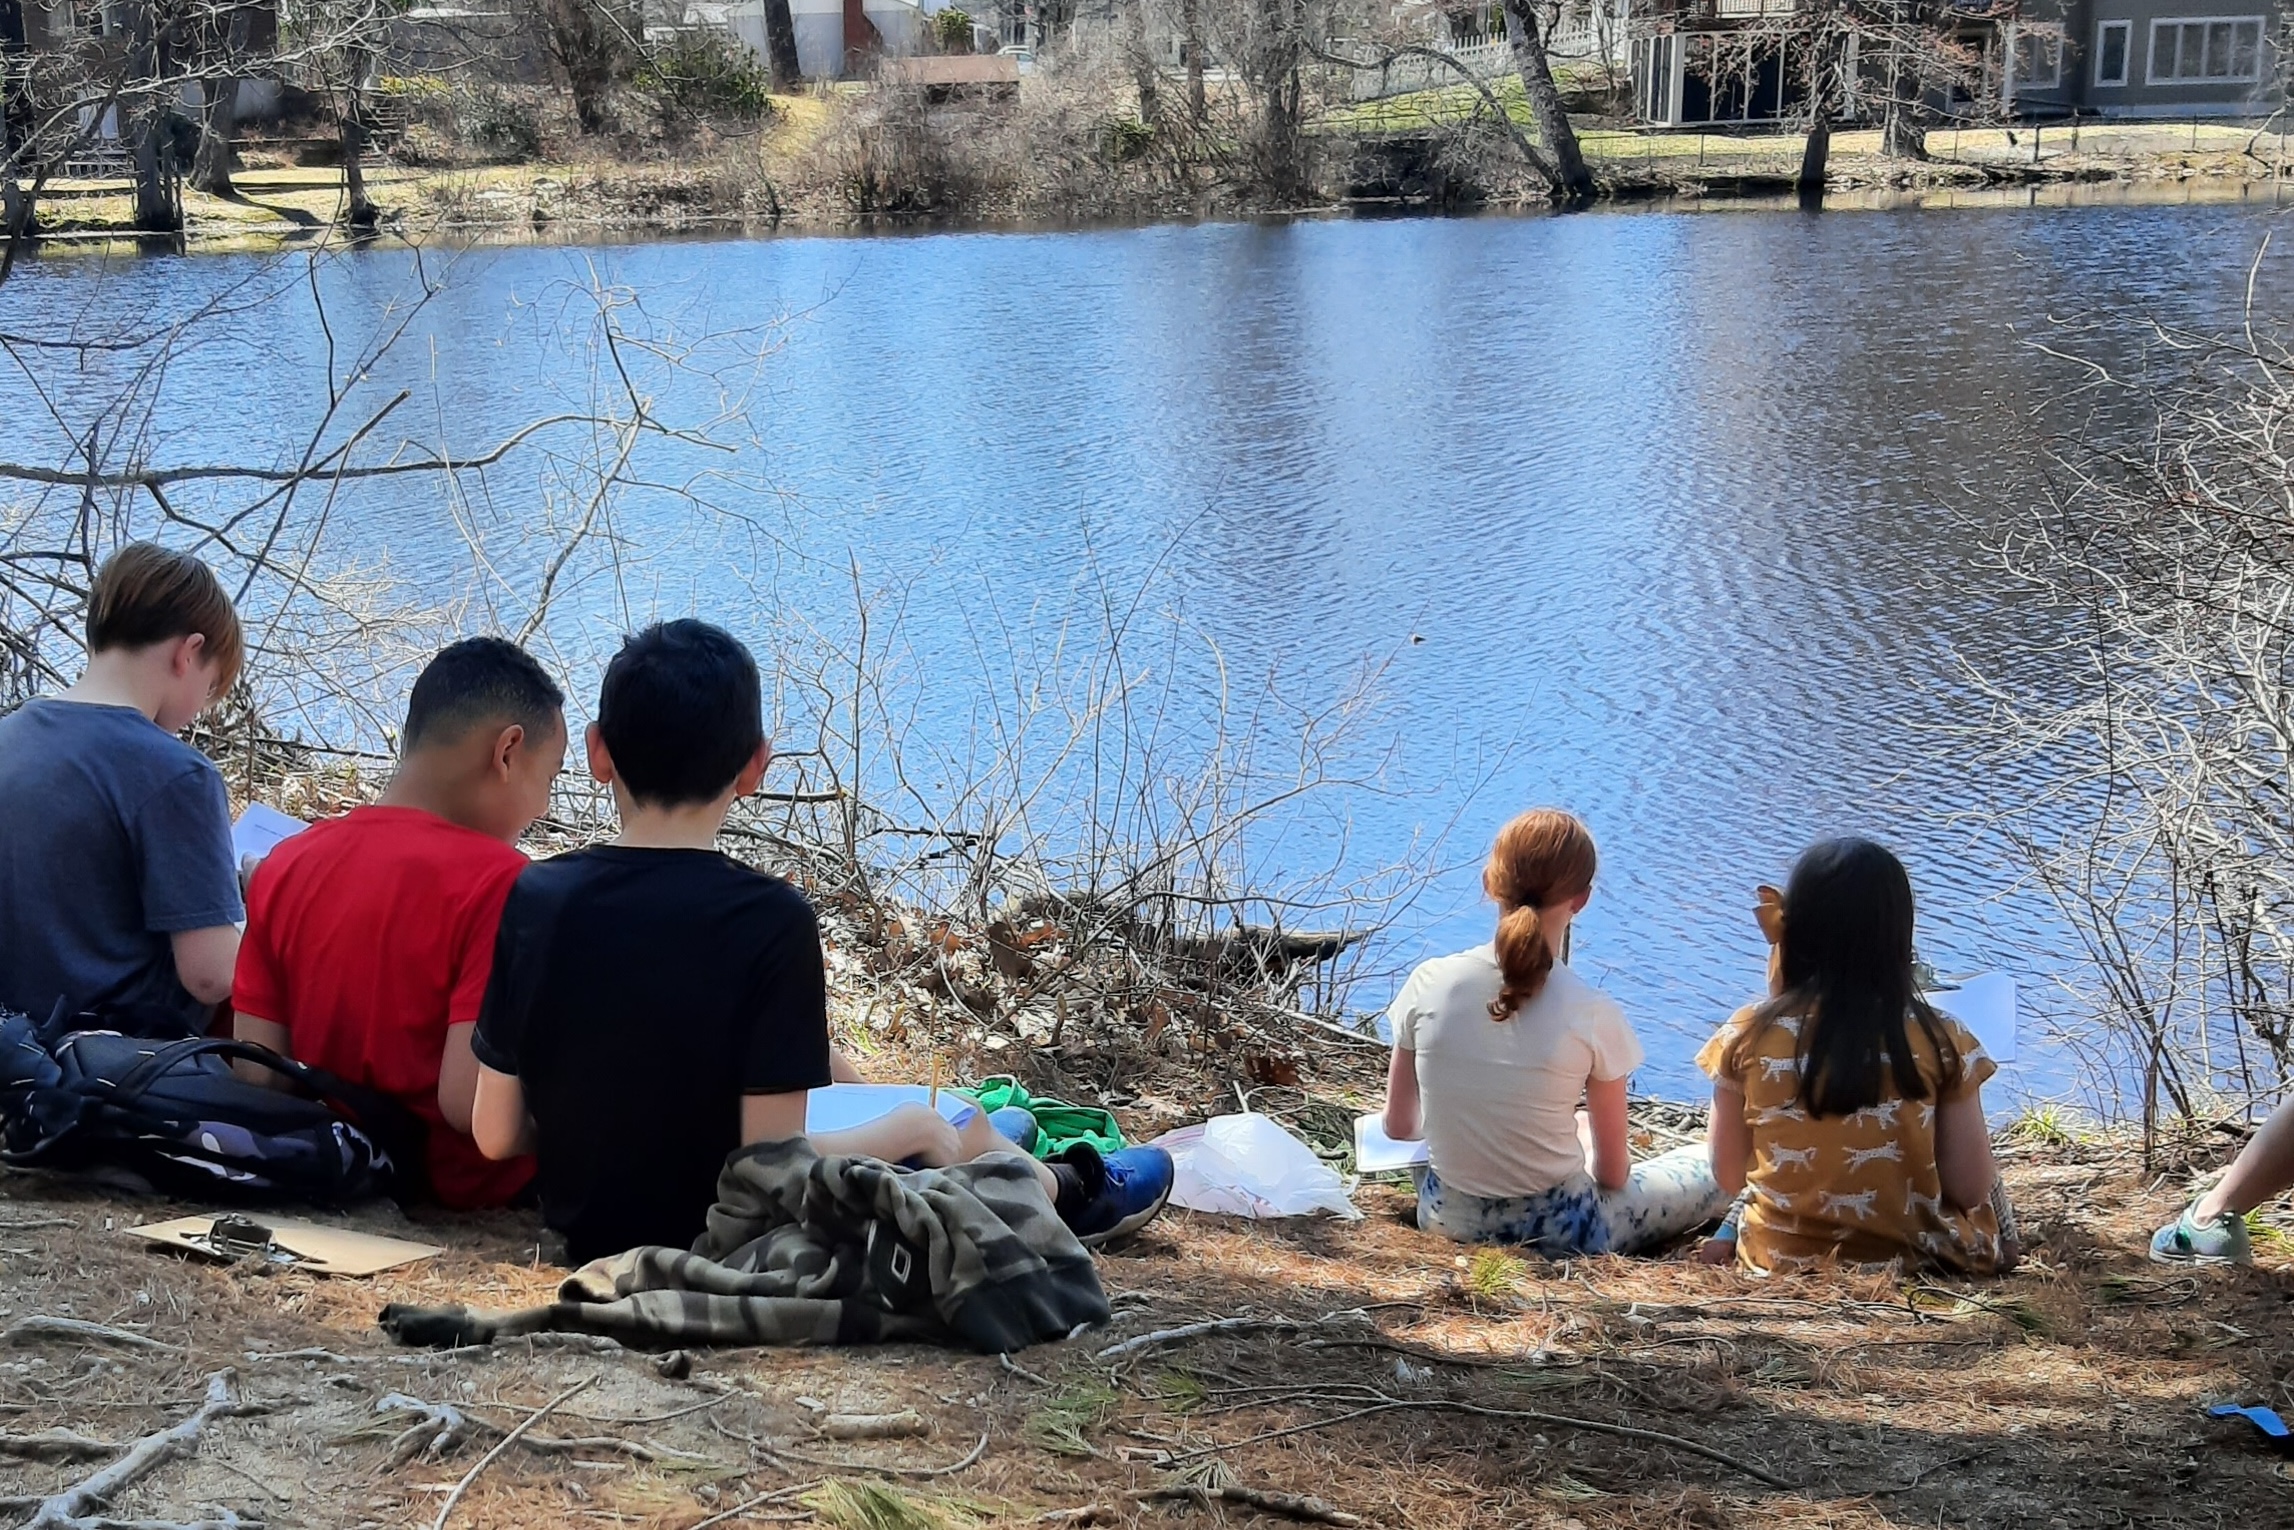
pixel 1986 1006
pixel 260 829
pixel 1374 1151
pixel 841 1107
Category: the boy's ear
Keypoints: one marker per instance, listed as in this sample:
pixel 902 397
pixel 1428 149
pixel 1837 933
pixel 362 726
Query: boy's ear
pixel 600 758
pixel 753 774
pixel 189 650
pixel 506 745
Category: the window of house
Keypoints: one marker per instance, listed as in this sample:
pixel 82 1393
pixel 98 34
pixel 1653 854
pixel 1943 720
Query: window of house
pixel 2111 52
pixel 2038 53
pixel 2206 50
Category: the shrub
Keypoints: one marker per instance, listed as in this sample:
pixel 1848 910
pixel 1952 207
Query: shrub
pixel 705 74
pixel 952 30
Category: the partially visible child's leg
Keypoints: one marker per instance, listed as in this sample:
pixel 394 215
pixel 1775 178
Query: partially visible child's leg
pixel 1664 1197
pixel 2213 1229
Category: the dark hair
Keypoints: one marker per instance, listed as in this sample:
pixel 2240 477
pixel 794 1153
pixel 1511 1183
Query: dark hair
pixel 682 710
pixel 479 680
pixel 1541 858
pixel 1847 953
pixel 145 594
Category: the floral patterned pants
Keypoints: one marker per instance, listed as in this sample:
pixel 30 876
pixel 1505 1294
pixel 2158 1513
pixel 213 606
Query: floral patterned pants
pixel 1664 1197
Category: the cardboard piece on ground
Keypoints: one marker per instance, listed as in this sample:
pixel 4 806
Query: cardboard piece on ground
pixel 321 1250
pixel 1375 1152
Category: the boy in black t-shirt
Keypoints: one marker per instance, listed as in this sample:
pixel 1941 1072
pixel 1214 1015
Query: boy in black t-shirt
pixel 655 1005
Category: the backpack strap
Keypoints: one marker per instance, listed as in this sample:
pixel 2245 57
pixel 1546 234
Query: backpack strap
pixel 401 1134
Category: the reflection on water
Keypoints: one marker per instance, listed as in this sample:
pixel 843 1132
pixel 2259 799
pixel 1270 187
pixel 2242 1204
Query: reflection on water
pixel 1664 517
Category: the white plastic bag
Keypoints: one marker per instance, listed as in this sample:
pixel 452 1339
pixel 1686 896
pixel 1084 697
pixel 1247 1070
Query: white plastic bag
pixel 1248 1166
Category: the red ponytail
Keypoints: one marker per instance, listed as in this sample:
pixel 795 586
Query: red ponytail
pixel 1542 858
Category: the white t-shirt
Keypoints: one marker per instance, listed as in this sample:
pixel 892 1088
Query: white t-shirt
pixel 1501 1096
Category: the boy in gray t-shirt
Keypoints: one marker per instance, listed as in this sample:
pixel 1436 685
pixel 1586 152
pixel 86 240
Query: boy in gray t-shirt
pixel 117 888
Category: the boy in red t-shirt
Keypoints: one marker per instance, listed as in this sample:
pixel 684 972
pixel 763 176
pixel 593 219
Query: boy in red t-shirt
pixel 370 937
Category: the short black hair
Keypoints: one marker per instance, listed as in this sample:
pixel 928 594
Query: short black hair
pixel 682 710
pixel 479 680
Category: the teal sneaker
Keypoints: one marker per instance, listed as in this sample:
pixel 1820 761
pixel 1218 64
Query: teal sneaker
pixel 2189 1241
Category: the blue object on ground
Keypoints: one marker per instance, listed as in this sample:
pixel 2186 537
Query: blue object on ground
pixel 2272 1426
pixel 1018 1126
pixel 1125 1189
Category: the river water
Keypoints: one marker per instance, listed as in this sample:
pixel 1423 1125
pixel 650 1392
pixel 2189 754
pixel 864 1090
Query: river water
pixel 1675 519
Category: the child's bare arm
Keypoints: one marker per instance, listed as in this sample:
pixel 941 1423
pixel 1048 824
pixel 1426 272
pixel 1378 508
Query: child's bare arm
pixel 458 1078
pixel 263 1033
pixel 498 1118
pixel 1727 1137
pixel 1609 1155
pixel 1405 1114
pixel 1963 1151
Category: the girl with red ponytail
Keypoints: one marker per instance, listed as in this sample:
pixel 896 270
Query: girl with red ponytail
pixel 1495 1051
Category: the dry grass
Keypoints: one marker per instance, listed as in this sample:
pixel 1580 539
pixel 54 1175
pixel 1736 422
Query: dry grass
pixel 2070 1394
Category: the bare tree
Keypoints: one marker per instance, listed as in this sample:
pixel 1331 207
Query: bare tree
pixel 1525 33
pixel 2167 841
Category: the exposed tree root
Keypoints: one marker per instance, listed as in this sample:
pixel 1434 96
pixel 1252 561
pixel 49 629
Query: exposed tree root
pixel 1288 1505
pixel 73 1508
pixel 57 1445
pixel 64 1330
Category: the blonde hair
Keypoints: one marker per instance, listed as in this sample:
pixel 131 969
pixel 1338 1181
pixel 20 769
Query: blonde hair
pixel 1542 858
pixel 145 594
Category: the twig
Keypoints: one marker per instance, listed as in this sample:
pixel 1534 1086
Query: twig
pixel 1190 1331
pixel 777 1495
pixel 512 1438
pixel 1021 1371
pixel 1288 1505
pixel 64 1330
pixel 970 1460
pixel 67 1509
pixel 1526 1415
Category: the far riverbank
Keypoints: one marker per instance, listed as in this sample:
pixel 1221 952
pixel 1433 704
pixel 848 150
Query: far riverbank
pixel 765 187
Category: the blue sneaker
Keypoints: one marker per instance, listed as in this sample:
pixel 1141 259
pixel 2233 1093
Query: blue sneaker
pixel 2187 1240
pixel 1123 1191
pixel 1017 1125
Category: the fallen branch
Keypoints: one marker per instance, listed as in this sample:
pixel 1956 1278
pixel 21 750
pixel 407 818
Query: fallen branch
pixel 64 1330
pixel 777 1495
pixel 513 1437
pixel 56 1445
pixel 1525 1415
pixel 1288 1505
pixel 907 1424
pixel 69 1509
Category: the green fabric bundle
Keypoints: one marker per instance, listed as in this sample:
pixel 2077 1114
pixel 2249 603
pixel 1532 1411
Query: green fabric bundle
pixel 1063 1125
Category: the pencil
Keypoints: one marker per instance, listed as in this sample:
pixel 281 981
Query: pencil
pixel 934 1098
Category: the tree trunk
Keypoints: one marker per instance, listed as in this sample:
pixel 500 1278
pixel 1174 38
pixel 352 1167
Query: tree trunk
pixel 359 211
pixel 781 44
pixel 219 109
pixel 1573 182
pixel 16 220
pixel 1816 155
pixel 1813 158
pixel 1901 136
pixel 218 125
pixel 1822 86
pixel 1145 77
pixel 158 175
pixel 16 112
pixel 1191 39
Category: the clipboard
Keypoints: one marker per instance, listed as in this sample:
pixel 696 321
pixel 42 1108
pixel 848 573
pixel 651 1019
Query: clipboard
pixel 289 1245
